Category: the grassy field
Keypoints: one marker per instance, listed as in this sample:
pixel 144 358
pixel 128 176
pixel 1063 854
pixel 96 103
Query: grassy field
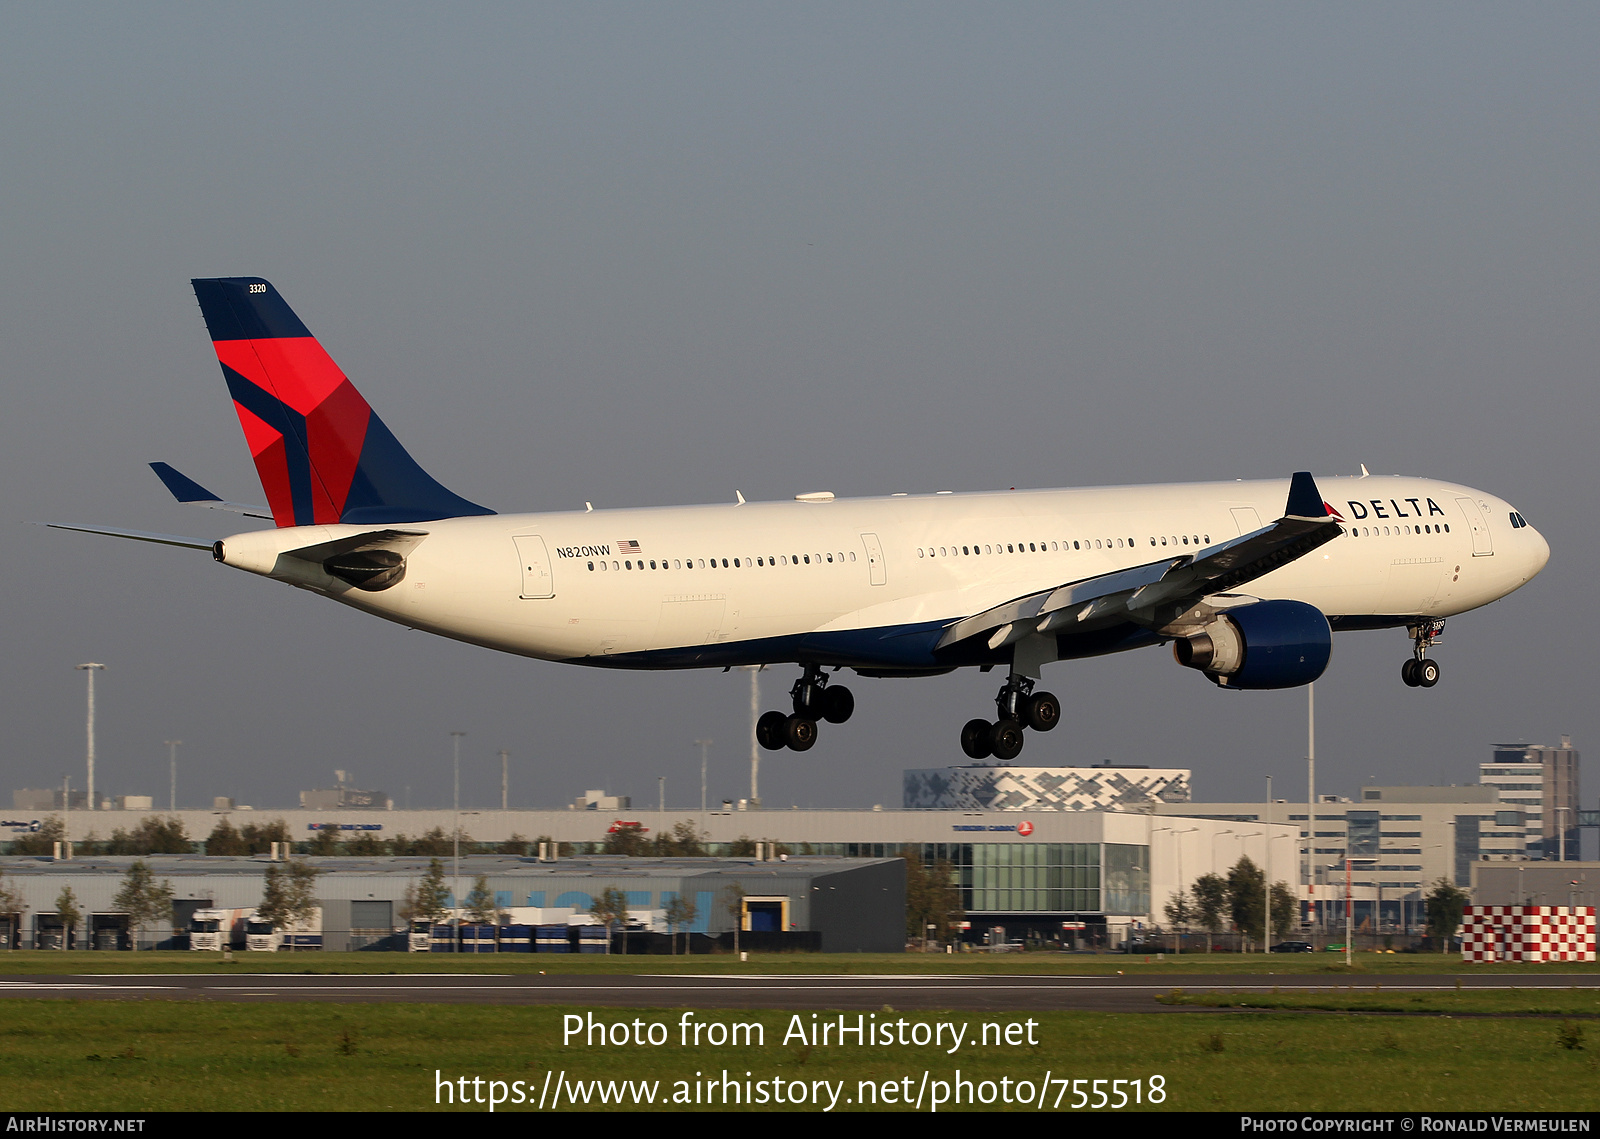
pixel 157 1055
pixel 1065 964
pixel 1369 997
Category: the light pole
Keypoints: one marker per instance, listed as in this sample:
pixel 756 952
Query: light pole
pixel 91 668
pixel 1177 847
pixel 1266 877
pixel 755 746
pixel 1349 907
pixel 172 760
pixel 1266 855
pixel 703 745
pixel 455 740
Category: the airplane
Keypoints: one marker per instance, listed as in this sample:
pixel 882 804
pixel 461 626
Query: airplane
pixel 1247 581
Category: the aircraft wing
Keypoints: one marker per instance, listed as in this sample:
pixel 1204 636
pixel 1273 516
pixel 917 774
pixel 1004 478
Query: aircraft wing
pixel 1161 594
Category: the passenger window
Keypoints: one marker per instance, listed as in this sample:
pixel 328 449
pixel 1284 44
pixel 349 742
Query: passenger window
pixel 830 559
pixel 591 567
pixel 602 567
pixel 808 559
pixel 852 555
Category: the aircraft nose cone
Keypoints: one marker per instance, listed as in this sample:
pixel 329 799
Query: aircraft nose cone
pixel 1538 552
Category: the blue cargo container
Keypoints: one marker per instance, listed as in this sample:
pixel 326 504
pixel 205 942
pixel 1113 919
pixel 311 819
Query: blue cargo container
pixel 477 939
pixel 444 939
pixel 516 939
pixel 594 939
pixel 552 939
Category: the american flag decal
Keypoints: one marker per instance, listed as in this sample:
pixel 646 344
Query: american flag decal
pixel 628 547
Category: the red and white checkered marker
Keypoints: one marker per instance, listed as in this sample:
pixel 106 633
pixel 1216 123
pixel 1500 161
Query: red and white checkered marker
pixel 1528 933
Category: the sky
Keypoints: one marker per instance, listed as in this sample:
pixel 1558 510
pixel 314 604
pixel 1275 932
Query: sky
pixel 654 254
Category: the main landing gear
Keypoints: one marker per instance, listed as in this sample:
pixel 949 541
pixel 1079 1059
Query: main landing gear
pixel 1019 706
pixel 814 699
pixel 1419 671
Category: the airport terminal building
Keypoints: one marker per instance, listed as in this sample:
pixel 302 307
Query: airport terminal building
pixel 1078 853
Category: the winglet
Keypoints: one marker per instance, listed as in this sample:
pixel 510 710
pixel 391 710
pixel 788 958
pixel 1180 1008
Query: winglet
pixel 1305 500
pixel 183 488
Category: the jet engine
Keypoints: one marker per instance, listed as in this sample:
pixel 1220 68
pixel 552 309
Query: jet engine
pixel 1266 644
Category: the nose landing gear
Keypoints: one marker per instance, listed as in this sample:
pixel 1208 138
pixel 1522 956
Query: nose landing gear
pixel 813 699
pixel 1419 671
pixel 1018 706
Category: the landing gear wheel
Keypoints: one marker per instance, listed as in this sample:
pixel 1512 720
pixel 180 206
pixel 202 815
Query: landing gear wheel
pixel 1005 739
pixel 837 704
pixel 1426 673
pixel 1042 711
pixel 808 702
pixel 800 733
pixel 975 739
pixel 1408 673
pixel 772 731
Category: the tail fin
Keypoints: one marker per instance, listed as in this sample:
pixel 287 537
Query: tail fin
pixel 322 453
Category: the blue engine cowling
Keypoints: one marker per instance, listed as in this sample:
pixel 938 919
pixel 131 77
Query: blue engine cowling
pixel 1269 644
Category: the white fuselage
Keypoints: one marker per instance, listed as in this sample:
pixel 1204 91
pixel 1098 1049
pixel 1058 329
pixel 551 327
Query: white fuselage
pixel 766 582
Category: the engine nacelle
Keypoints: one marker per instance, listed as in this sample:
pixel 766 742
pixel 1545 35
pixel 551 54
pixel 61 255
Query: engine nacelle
pixel 1268 644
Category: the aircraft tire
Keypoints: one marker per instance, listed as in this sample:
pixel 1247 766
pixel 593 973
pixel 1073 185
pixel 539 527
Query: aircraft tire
pixel 975 739
pixel 1426 673
pixel 800 733
pixel 1005 739
pixel 1408 673
pixel 772 731
pixel 838 704
pixel 1043 711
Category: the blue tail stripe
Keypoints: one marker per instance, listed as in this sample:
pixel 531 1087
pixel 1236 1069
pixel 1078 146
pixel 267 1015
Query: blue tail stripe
pixel 288 423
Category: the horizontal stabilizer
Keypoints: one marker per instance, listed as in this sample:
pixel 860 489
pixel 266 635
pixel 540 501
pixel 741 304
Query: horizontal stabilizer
pixel 137 536
pixel 191 493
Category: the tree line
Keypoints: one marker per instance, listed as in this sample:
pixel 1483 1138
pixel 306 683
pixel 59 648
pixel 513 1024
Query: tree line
pixel 1237 900
pixel 166 835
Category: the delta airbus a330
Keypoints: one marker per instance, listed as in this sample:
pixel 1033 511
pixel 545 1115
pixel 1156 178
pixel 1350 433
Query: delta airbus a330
pixel 1246 580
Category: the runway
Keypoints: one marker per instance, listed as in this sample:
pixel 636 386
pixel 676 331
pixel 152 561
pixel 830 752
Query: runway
pixel 902 993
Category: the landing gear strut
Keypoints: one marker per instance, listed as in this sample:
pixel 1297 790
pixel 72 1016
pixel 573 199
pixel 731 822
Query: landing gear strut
pixel 1419 671
pixel 1018 706
pixel 813 699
